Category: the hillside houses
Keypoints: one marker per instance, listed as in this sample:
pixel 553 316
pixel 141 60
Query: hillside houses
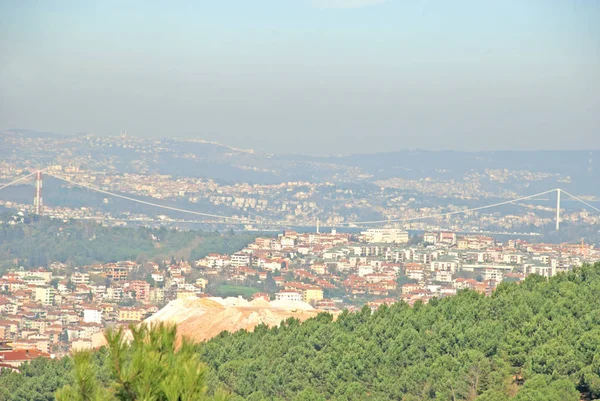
pixel 54 310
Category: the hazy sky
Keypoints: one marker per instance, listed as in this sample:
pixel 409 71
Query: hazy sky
pixel 314 76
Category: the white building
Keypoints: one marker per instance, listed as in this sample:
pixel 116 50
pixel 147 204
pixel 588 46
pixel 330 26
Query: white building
pixel 81 344
pixel 415 274
pixel 157 295
pixel 433 288
pixel 493 274
pixel 542 270
pixel 240 259
pixel 44 295
pixel 288 295
pixel 272 265
pixel 158 277
pixel 385 235
pixel 287 242
pixel 443 276
pixel 43 274
pixel 114 293
pixel 363 270
pixel 92 316
pixel 80 278
pixel 448 263
pixel 214 260
pixel 513 258
pixel 430 238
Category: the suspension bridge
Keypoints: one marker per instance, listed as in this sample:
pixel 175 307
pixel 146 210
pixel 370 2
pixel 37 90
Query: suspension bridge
pixel 237 220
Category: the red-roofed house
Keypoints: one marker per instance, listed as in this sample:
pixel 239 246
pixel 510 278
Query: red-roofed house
pixel 16 358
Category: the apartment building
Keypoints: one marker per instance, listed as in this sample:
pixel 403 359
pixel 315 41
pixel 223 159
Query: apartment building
pixel 288 295
pixel 45 295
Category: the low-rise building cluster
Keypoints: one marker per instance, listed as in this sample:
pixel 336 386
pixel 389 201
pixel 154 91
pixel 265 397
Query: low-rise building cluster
pixel 348 270
pixel 55 309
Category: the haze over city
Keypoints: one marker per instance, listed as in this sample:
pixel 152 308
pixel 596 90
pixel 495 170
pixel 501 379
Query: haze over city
pixel 300 200
pixel 318 77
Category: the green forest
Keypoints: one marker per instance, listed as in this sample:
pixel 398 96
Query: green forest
pixel 37 243
pixel 538 340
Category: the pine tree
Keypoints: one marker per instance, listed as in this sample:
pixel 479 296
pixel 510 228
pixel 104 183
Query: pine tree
pixel 148 366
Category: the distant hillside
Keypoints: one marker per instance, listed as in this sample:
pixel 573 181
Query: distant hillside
pixel 39 243
pixel 226 163
pixel 583 167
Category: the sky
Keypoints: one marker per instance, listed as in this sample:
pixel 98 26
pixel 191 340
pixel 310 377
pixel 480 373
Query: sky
pixel 308 76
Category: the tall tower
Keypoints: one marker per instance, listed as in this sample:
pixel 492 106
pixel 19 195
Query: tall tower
pixel 557 209
pixel 38 201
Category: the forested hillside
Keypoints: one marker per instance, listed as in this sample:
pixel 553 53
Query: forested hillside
pixel 539 340
pixel 38 243
pixel 41 378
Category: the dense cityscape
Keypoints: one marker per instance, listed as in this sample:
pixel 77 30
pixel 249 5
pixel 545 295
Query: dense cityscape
pixel 83 185
pixel 300 200
pixel 58 308
pixel 92 239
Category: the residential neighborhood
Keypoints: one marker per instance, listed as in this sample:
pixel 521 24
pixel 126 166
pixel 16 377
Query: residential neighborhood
pixel 54 310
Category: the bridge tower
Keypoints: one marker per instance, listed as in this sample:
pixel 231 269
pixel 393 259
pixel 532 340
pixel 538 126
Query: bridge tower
pixel 38 201
pixel 557 209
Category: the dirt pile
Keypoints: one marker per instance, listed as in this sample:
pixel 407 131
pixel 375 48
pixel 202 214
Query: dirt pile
pixel 203 318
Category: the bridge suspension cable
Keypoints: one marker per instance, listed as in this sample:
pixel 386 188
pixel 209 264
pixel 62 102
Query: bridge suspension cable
pixel 17 180
pixel 175 209
pixel 242 220
pixel 581 200
pixel 245 220
pixel 281 223
pixel 454 212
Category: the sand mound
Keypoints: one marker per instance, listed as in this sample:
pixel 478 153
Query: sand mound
pixel 203 318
